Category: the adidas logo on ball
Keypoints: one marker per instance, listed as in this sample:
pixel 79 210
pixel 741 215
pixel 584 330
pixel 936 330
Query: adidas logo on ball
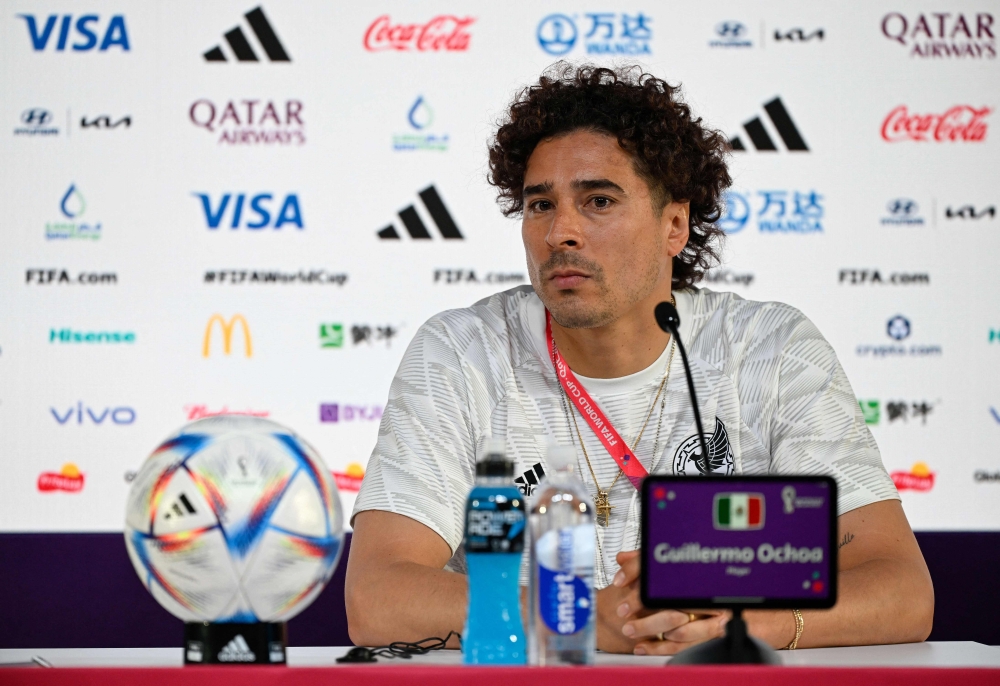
pixel 237 650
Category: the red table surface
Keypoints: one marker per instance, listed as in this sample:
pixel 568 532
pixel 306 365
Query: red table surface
pixel 378 675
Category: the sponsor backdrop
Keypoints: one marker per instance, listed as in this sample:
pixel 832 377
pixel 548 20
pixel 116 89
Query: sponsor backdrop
pixel 251 208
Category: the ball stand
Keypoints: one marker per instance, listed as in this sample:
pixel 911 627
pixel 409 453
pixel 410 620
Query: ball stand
pixel 210 643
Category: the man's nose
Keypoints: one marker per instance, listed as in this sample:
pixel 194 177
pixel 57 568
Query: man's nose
pixel 566 230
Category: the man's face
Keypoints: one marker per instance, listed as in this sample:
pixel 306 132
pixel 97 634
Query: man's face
pixel 596 245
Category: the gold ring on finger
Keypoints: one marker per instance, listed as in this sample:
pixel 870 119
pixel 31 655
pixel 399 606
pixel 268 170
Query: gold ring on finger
pixel 659 637
pixel 692 616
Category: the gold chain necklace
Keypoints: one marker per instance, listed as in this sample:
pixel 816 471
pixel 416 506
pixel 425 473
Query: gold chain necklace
pixel 602 504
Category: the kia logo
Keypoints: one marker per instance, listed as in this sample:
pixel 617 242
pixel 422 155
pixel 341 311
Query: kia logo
pixel 730 29
pixel 36 116
pixel 902 206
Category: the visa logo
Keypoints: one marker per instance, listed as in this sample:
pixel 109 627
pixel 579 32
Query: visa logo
pixel 85 38
pixel 242 208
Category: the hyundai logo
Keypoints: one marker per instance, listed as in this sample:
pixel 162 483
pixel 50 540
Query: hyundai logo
pixel 36 117
pixel 902 206
pixel 730 29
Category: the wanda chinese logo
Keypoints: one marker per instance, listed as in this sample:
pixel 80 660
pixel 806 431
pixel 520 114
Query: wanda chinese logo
pixel 960 123
pixel 443 32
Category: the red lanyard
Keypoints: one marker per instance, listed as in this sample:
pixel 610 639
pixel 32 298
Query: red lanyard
pixel 593 414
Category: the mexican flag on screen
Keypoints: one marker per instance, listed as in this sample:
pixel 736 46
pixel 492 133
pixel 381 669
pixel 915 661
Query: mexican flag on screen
pixel 739 511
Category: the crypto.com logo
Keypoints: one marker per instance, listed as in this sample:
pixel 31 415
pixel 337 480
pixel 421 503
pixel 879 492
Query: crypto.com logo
pixel 227 335
pixel 960 123
pixel 445 32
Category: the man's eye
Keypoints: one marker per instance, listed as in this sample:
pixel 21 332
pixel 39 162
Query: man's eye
pixel 602 202
pixel 541 205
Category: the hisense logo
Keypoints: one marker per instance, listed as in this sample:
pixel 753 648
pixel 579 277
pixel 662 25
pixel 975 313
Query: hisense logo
pixel 93 337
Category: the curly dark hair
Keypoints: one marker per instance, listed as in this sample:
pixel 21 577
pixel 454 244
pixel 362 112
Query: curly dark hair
pixel 679 157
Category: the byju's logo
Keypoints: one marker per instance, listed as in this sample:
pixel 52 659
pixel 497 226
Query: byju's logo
pixel 415 225
pixel 970 212
pixel 731 34
pixel 445 32
pixel 122 416
pixel 88 27
pixel 240 46
pixel 251 122
pixel 37 122
pixel 783 124
pixel 898 328
pixel 609 33
pixel 960 123
pixel 944 35
pixel 420 118
pixel 227 335
pixel 257 214
pixel 332 413
pixel 779 211
pixel 72 205
pixel 902 212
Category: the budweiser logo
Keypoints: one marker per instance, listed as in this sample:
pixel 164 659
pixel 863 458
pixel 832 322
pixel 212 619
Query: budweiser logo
pixel 443 32
pixel 67 479
pixel 960 123
pixel 919 478
pixel 202 411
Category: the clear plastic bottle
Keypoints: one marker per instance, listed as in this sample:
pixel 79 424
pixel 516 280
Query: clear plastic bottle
pixel 562 541
pixel 494 547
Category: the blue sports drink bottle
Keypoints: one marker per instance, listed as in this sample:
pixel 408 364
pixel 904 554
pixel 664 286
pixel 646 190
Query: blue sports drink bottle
pixel 494 544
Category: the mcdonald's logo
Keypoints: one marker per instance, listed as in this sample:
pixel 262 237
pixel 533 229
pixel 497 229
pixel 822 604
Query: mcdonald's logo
pixel 227 334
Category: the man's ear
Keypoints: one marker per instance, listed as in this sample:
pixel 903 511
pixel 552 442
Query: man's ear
pixel 675 223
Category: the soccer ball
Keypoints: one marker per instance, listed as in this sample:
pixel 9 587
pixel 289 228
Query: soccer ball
pixel 234 519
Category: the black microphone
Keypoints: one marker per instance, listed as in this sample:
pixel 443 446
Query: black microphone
pixel 670 321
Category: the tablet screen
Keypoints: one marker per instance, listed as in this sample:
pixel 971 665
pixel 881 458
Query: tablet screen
pixel 739 542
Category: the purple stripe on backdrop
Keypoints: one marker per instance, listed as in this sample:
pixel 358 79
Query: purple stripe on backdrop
pixel 80 591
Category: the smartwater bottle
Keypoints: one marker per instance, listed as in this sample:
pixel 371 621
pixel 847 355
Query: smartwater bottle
pixel 563 607
pixel 494 545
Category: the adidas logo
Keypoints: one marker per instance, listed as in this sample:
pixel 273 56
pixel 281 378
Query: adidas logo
pixel 241 47
pixel 530 479
pixel 783 124
pixel 180 507
pixel 415 225
pixel 236 650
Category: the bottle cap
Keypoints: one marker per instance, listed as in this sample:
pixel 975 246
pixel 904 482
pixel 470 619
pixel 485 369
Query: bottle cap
pixel 560 458
pixel 493 459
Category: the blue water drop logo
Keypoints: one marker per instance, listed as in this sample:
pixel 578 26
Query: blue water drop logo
pixel 421 115
pixel 72 204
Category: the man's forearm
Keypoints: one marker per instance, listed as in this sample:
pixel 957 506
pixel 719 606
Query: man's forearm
pixel 879 601
pixel 406 601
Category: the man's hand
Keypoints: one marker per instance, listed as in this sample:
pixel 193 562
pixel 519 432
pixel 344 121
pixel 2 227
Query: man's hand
pixel 641 628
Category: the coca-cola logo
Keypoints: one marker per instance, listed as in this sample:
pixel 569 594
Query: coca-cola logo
pixel 960 123
pixel 443 32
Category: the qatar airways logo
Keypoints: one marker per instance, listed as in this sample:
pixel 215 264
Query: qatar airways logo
pixel 960 123
pixel 445 32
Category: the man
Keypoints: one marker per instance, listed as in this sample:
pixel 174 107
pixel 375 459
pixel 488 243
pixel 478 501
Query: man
pixel 619 187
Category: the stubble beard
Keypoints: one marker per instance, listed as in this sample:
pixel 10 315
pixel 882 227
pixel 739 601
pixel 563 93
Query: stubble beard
pixel 572 311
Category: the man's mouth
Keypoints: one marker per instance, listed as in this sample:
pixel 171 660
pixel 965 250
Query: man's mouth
pixel 564 279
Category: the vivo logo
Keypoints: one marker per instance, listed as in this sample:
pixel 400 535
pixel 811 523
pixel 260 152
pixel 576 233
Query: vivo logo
pixel 257 208
pixel 117 415
pixel 86 34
